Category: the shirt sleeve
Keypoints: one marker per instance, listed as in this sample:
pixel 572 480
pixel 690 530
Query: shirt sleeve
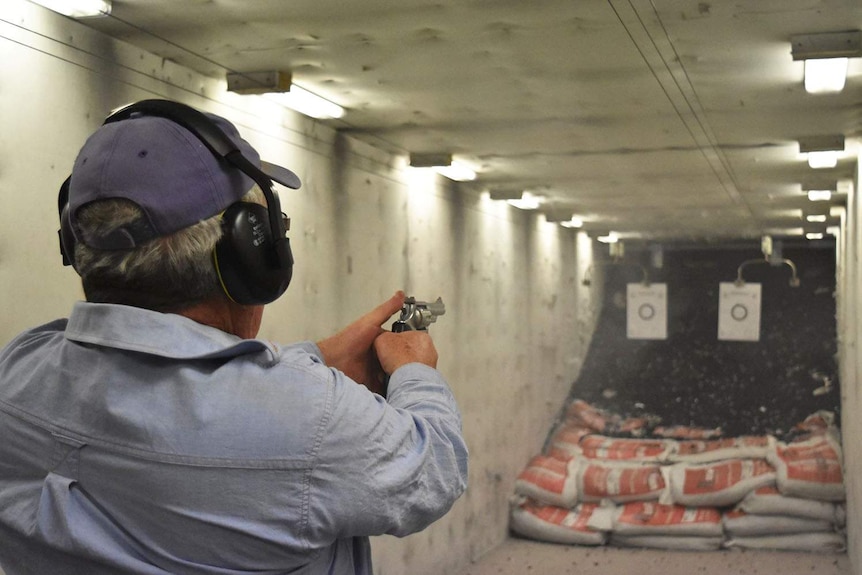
pixel 387 467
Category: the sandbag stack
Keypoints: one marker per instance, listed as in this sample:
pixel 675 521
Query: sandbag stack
pixel 682 488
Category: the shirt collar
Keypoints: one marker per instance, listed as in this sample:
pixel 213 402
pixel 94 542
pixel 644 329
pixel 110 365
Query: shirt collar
pixel 163 334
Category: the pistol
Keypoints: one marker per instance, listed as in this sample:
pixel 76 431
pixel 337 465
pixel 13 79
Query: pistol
pixel 418 315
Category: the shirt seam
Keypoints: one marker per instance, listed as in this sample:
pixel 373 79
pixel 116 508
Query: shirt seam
pixel 314 460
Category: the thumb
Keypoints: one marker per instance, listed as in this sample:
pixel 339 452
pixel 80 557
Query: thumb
pixel 385 310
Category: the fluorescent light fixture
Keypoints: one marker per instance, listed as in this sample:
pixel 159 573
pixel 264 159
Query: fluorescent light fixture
pixel 527 201
pixel 816 218
pixel 611 238
pixel 822 150
pixel 504 194
pixel 814 236
pixel 825 75
pixel 823 159
pixel 819 195
pixel 301 100
pixel 573 223
pixel 77 8
pixel 443 164
pixel 278 86
pixel 825 57
pixel 456 171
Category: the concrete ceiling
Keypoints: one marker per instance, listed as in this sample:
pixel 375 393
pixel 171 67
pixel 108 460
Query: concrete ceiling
pixel 674 119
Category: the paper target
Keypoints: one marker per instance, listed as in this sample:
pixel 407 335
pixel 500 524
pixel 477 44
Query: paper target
pixel 646 311
pixel 739 312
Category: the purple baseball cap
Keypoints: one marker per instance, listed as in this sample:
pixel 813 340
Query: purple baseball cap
pixel 166 170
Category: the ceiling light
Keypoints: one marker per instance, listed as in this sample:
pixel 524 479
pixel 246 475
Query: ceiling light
pixel 77 8
pixel 816 218
pixel 443 165
pixel 573 223
pixel 305 102
pixel 456 171
pixel 814 236
pixel 825 57
pixel 819 195
pixel 503 194
pixel 822 150
pixel 821 160
pixel 278 86
pixel 556 215
pixel 826 75
pixel 527 201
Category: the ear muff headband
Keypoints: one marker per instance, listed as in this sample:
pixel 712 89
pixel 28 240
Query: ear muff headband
pixel 221 146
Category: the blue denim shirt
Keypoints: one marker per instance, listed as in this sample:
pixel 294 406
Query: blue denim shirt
pixel 141 442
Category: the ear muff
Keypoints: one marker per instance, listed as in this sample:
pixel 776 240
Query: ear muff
pixel 244 257
pixel 67 235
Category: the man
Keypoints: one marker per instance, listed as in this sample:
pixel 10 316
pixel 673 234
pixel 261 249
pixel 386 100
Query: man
pixel 151 433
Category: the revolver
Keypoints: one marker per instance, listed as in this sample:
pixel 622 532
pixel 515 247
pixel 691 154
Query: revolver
pixel 418 315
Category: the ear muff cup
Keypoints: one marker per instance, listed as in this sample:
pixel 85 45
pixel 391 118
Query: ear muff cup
pixel 244 259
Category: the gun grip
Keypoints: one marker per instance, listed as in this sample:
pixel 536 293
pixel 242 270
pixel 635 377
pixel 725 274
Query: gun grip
pixel 400 326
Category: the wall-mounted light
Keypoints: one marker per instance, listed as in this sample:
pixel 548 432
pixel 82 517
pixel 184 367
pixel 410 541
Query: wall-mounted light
pixel 503 194
pixel 564 217
pixel 278 86
pixel 819 195
pixel 822 151
pixel 443 165
pixel 826 56
pixel 77 8
pixel 610 238
pixel 527 201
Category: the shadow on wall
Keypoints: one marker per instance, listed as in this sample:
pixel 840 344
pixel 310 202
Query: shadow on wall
pixel 692 378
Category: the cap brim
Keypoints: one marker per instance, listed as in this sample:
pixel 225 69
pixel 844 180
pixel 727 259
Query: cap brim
pixel 281 175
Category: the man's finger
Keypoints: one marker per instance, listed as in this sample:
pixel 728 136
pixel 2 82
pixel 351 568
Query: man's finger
pixel 385 310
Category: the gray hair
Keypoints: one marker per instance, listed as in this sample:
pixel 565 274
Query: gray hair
pixel 166 274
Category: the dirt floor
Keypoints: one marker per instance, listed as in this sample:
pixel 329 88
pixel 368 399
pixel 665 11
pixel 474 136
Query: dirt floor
pixel 524 557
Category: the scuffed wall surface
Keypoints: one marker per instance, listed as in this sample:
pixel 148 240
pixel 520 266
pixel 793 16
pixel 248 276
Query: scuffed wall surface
pixel 849 330
pixel 518 318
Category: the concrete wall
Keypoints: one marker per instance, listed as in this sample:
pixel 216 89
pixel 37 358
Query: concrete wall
pixel 518 319
pixel 849 306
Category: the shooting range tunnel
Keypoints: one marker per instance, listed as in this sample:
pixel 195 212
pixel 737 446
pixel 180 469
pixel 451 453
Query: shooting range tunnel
pixel 534 340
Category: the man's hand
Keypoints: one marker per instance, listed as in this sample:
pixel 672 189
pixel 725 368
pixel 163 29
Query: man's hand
pixel 397 349
pixel 352 349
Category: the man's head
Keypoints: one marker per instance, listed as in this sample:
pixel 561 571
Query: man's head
pixel 142 216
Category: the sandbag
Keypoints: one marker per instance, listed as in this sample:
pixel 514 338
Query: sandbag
pixel 770 501
pixel 618 482
pixel 738 523
pixel 718 484
pixel 554 524
pixel 653 518
pixel 624 449
pixel 807 542
pixel 549 480
pixel 581 414
pixel 671 542
pixel 810 469
pixel 709 450
pixel 565 442
pixel 687 432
